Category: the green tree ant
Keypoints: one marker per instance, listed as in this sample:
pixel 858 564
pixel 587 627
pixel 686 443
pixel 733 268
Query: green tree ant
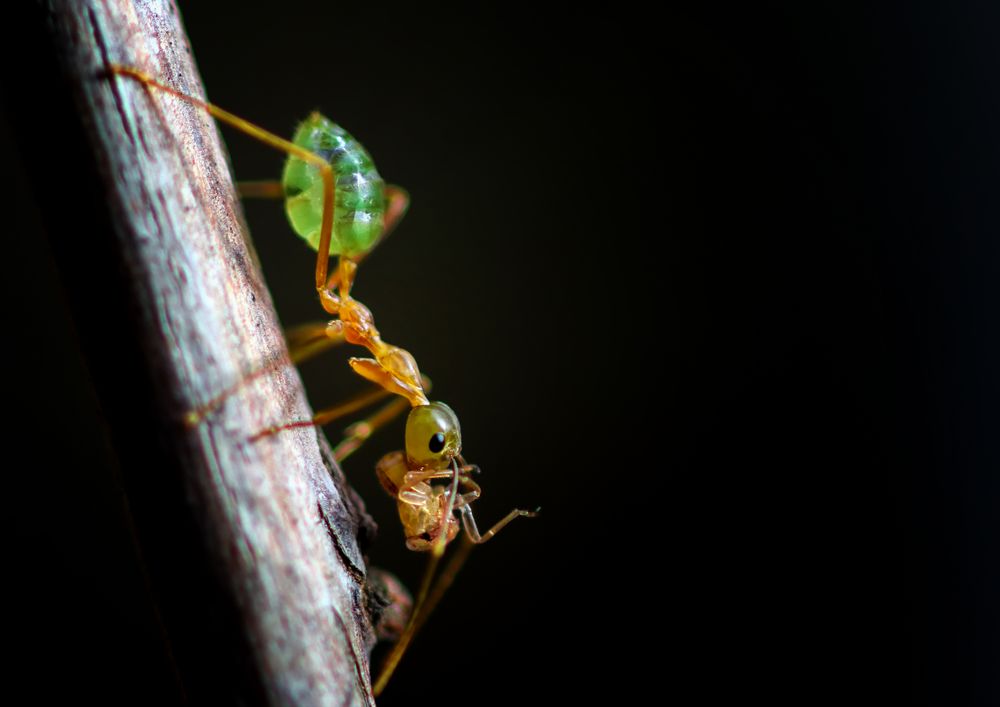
pixel 338 203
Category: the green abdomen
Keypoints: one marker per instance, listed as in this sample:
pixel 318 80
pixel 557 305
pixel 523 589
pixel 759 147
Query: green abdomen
pixel 359 190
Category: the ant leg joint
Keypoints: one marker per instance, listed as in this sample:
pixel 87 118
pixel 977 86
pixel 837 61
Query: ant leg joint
pixel 329 301
pixel 359 430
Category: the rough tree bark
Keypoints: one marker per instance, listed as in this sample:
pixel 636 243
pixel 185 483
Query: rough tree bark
pixel 252 547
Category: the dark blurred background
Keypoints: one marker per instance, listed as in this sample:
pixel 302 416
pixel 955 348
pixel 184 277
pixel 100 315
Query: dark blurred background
pixel 716 289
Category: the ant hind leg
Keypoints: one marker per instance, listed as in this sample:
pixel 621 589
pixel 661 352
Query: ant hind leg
pixel 262 189
pixel 268 138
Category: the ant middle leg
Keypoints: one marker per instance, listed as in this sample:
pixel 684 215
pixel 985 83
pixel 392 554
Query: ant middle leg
pixel 304 342
pixel 358 432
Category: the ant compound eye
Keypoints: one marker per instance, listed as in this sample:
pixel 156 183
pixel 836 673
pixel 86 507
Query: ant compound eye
pixel 433 437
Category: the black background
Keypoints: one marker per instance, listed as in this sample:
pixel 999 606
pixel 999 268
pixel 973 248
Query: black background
pixel 715 289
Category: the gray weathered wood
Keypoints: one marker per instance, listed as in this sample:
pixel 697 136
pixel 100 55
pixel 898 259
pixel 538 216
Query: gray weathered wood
pixel 276 520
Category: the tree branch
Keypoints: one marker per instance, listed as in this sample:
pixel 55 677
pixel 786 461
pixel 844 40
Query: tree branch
pixel 252 547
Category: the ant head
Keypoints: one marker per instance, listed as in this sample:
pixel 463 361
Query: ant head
pixel 433 436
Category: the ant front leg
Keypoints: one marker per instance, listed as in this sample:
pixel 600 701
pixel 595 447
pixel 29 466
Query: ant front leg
pixel 469 523
pixel 412 478
pixel 469 520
